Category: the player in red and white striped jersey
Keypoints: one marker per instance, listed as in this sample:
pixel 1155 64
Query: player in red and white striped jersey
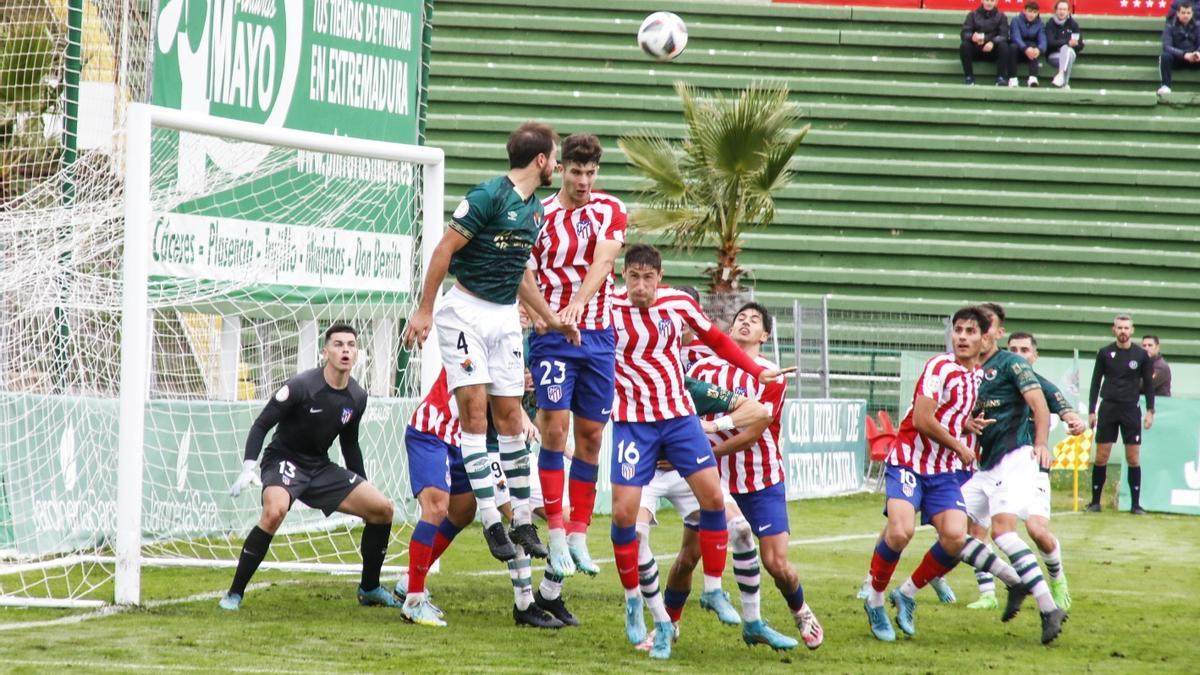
pixel 653 418
pixel 572 259
pixel 441 486
pixel 925 472
pixel 694 348
pixel 953 386
pixel 752 467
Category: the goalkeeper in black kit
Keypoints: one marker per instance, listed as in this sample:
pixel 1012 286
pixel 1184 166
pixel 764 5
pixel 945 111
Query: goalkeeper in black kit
pixel 311 409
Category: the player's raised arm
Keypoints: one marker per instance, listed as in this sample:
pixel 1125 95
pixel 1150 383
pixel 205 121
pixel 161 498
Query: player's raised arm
pixel 421 320
pixel 720 342
pixel 748 415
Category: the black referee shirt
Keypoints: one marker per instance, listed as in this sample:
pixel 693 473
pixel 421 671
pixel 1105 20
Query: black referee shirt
pixel 1126 373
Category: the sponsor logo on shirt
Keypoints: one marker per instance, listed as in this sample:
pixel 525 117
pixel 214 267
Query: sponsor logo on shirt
pixel 989 374
pixel 467 366
pixel 512 215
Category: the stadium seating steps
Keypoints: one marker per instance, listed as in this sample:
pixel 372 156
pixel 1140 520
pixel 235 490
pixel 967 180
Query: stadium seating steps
pixel 912 192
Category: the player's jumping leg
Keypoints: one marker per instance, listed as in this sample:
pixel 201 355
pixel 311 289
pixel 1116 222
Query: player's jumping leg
pixel 472 408
pixel 1038 528
pixel 459 511
pixel 755 630
pixel 582 495
pixel 985 581
pixel 1026 565
pixel 276 502
pixel 514 462
pixel 525 611
pixel 551 473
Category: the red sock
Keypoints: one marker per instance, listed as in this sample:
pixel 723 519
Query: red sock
pixel 420 557
pixel 440 544
pixel 627 566
pixel 929 569
pixel 881 571
pixel 583 501
pixel 713 544
pixel 552 494
pixel 675 613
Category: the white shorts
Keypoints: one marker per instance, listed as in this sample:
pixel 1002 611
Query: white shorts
pixel 1007 487
pixel 1040 504
pixel 674 488
pixel 480 343
pixel 671 486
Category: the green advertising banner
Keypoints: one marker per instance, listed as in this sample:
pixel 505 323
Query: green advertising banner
pixel 824 447
pixel 61 459
pixel 1170 459
pixel 264 224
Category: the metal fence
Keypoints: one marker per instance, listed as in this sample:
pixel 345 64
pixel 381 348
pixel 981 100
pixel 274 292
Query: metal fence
pixel 843 353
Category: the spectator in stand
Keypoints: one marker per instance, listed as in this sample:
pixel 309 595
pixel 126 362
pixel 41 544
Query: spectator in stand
pixel 1028 43
pixel 1181 44
pixel 985 38
pixel 1162 371
pixel 1064 41
pixel 1174 8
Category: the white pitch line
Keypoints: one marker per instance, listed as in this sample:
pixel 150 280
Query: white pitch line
pixel 128 667
pixel 110 610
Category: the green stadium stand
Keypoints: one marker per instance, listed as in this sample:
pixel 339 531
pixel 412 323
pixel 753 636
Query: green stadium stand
pixel 912 192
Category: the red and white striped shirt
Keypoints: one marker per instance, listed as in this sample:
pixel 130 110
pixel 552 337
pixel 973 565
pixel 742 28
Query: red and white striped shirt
pixel 438 413
pixel 954 388
pixel 564 250
pixel 759 466
pixel 694 352
pixel 649 367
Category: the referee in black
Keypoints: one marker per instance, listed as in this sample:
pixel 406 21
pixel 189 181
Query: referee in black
pixel 1125 370
pixel 311 410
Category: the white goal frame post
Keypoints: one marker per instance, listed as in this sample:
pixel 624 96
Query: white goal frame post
pixel 135 327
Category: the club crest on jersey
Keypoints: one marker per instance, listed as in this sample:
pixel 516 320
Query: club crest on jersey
pixel 740 391
pixel 467 366
pixel 347 413
pixel 989 374
pixel 554 393
pixel 627 471
pixel 583 226
pixel 1133 365
pixel 664 326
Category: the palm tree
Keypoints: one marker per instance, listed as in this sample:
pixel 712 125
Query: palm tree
pixel 722 176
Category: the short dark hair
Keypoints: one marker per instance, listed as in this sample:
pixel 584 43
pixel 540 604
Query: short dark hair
pixel 1059 2
pixel 1022 335
pixel 340 328
pixel 1032 4
pixel 691 292
pixel 643 254
pixel 768 321
pixel 973 313
pixel 582 149
pixel 1152 337
pixel 528 141
pixel 1185 3
pixel 995 310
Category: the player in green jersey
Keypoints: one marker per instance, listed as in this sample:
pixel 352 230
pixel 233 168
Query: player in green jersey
pixel 486 248
pixel 1009 454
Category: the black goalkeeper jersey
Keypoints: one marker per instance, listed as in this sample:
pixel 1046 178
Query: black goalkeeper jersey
pixel 310 414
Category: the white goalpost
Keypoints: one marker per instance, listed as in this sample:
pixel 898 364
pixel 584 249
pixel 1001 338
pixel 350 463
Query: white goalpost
pixel 167 314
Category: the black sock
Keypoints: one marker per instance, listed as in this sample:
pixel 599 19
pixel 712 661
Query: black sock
pixel 373 549
pixel 1135 486
pixel 253 552
pixel 1099 475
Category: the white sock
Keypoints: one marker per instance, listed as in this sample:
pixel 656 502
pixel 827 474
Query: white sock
pixel 1025 563
pixel 1053 561
pixel 479 472
pixel 658 610
pixel 746 570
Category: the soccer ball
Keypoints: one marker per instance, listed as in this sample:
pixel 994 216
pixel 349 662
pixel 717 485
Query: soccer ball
pixel 663 36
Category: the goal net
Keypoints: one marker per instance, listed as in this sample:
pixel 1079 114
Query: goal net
pixel 139 341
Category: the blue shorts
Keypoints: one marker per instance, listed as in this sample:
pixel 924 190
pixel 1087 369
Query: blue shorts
pixel 434 463
pixel 637 447
pixel 580 379
pixel 930 494
pixel 765 510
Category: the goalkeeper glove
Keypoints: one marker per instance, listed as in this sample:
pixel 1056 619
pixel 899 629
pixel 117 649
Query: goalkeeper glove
pixel 247 478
